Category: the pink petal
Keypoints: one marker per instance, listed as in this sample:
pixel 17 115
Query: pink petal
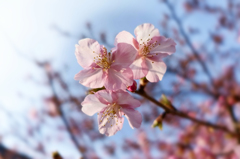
pixel 118 79
pixel 123 56
pixel 109 126
pixel 133 116
pixel 139 68
pixel 158 57
pixel 156 70
pixel 104 97
pixel 142 32
pixel 92 105
pixel 126 37
pixel 93 78
pixel 166 45
pixel 84 51
pixel 124 99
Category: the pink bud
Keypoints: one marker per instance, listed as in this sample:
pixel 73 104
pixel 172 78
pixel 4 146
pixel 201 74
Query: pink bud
pixel 133 87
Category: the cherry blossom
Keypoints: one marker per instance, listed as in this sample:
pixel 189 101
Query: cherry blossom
pixel 111 106
pixel 150 48
pixel 102 68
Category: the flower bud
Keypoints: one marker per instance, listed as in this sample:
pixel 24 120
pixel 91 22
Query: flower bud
pixel 133 88
pixel 158 122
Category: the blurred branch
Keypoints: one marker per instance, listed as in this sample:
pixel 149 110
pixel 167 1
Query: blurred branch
pixel 56 155
pixel 234 121
pixel 204 66
pixel 61 113
pixel 188 41
pixel 16 122
pixel 102 36
pixel 10 154
pixel 205 89
pixel 44 65
pixel 89 28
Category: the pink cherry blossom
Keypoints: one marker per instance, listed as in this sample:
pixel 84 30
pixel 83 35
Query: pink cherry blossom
pixel 111 106
pixel 150 48
pixel 102 68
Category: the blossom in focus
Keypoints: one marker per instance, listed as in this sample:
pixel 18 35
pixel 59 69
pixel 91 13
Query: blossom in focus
pixel 150 48
pixel 111 106
pixel 102 68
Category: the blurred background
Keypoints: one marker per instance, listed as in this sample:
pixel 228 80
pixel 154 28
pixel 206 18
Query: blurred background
pixel 40 102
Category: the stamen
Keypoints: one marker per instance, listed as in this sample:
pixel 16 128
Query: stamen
pixel 113 111
pixel 145 50
pixel 104 59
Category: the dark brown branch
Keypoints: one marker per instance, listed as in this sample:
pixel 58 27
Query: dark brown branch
pixel 184 115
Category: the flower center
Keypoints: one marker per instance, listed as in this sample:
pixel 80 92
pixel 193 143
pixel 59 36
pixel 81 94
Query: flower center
pixel 103 59
pixel 145 47
pixel 111 112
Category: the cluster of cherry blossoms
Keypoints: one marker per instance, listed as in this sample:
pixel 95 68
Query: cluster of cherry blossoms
pixel 131 58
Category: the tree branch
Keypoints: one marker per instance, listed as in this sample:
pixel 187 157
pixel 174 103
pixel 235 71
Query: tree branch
pixel 184 115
